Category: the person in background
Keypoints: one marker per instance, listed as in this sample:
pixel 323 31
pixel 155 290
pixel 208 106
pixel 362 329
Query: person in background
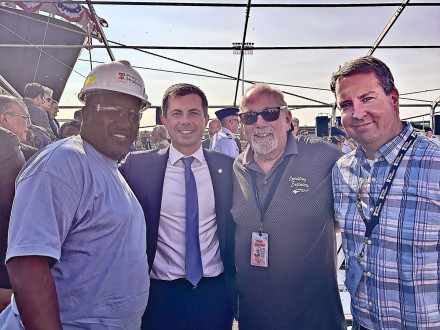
pixel 159 137
pixel 34 98
pixel 338 140
pixel 46 104
pixel 428 133
pixel 304 132
pixel 295 124
pixel 71 206
pixel 69 128
pixel 387 203
pixel 186 194
pixel 285 228
pixel 77 115
pixel 54 124
pixel 224 140
pixel 213 127
pixel 14 122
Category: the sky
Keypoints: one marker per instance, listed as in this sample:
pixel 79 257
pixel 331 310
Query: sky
pixel 413 69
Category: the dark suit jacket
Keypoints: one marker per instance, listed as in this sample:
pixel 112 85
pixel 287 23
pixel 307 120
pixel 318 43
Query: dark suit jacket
pixel 11 162
pixel 145 173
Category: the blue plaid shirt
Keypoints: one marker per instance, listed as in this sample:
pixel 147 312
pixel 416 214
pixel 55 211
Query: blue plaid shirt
pixel 399 288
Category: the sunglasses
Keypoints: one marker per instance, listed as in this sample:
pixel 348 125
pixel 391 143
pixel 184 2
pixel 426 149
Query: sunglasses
pixel 114 112
pixel 269 114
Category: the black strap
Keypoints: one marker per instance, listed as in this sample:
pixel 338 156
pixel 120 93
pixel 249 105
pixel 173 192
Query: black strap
pixel 371 223
pixel 279 173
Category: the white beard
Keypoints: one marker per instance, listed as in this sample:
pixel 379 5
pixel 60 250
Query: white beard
pixel 264 147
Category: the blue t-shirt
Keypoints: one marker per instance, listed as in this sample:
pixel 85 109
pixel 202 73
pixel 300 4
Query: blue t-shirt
pixel 73 206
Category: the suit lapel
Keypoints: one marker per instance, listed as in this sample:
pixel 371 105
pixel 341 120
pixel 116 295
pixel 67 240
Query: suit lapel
pixel 156 175
pixel 218 183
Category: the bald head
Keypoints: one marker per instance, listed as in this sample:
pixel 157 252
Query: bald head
pixel 214 126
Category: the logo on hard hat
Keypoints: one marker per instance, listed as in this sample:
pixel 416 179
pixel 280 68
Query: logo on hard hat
pixel 90 80
pixel 129 78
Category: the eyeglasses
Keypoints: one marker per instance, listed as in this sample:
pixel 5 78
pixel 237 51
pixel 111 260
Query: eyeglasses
pixel 114 112
pixel 269 114
pixel 28 119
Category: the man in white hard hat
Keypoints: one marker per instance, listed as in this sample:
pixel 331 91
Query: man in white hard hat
pixel 77 252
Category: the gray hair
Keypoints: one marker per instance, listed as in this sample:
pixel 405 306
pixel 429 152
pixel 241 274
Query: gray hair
pixel 265 89
pixel 7 103
pixel 161 131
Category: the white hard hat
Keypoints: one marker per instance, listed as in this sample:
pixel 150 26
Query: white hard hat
pixel 117 76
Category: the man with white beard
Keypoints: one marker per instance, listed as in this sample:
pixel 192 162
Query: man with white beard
pixel 282 197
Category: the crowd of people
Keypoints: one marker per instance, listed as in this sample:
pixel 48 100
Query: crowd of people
pixel 178 237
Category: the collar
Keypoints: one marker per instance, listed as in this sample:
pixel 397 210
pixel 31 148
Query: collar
pixel 224 129
pixel 389 150
pixel 87 146
pixel 291 149
pixel 175 157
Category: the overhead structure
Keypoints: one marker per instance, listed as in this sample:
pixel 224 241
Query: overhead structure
pixel 99 28
pixel 49 67
pixel 248 8
pixel 388 26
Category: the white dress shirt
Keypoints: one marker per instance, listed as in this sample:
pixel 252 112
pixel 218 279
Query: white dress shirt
pixel 169 262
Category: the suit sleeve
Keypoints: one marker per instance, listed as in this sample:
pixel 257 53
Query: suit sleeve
pixel 40 118
pixel 11 162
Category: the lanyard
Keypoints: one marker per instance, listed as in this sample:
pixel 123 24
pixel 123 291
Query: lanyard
pixel 371 223
pixel 276 181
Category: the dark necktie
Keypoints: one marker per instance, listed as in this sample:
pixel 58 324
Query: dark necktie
pixel 193 259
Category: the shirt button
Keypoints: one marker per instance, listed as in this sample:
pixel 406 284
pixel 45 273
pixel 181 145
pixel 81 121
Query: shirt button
pixel 373 179
pixel 265 182
pixel 369 242
pixel 370 303
pixel 371 209
pixel 368 274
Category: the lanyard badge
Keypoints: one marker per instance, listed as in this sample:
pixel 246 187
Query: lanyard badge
pixel 260 250
pixel 260 240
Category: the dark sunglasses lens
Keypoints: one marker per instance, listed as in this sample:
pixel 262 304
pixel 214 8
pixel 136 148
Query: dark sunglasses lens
pixel 249 118
pixel 270 114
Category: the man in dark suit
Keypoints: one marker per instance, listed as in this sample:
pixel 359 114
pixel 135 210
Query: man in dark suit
pixel 192 273
pixel 51 114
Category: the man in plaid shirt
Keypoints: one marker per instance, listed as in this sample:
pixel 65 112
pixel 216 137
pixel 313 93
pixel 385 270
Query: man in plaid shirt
pixel 387 202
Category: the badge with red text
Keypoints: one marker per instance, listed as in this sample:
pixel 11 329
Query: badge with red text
pixel 259 250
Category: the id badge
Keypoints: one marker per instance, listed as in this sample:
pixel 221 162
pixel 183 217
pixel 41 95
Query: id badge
pixel 259 250
pixel 353 275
